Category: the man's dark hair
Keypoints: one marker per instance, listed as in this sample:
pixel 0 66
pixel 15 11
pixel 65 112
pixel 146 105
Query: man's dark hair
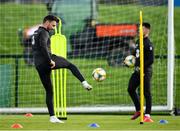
pixel 50 18
pixel 147 25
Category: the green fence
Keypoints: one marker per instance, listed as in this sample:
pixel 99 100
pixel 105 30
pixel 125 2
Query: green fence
pixel 5 85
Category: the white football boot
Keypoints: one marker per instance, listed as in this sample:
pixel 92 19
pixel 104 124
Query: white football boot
pixel 86 85
pixel 54 119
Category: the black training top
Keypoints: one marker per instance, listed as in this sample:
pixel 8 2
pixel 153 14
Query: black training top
pixel 41 46
pixel 148 53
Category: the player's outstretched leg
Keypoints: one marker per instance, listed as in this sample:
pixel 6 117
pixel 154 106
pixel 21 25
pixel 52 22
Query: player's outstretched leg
pixel 79 76
pixel 61 62
pixel 54 119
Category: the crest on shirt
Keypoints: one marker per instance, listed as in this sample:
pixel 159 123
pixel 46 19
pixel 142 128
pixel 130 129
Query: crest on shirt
pixel 150 48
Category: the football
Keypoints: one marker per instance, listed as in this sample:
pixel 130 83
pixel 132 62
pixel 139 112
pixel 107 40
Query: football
pixel 99 74
pixel 130 61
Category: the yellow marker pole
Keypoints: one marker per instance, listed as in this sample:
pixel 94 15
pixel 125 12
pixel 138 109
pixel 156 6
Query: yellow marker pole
pixel 65 79
pixel 57 91
pixel 54 73
pixel 61 92
pixel 141 46
pixel 64 82
pixel 63 75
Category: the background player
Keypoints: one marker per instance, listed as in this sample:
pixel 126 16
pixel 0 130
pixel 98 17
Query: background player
pixel 134 81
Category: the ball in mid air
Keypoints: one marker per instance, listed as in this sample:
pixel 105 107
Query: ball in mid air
pixel 99 74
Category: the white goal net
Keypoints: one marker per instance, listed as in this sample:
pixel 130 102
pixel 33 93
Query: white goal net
pixel 100 33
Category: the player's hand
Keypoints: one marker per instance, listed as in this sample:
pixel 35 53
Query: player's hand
pixel 137 69
pixel 52 64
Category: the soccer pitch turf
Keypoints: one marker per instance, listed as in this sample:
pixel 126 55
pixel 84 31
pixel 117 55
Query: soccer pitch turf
pixel 82 122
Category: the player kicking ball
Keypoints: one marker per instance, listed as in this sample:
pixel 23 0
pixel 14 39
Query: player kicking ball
pixel 45 62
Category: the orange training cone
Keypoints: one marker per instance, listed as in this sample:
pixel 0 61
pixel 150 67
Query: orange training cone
pixel 16 125
pixel 28 115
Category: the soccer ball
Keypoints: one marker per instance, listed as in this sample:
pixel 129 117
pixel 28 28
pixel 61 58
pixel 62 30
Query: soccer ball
pixel 99 74
pixel 130 61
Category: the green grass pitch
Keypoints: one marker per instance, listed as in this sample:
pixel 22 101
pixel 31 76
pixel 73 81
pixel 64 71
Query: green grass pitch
pixel 82 122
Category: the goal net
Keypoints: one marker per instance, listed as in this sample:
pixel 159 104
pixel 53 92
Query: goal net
pixel 100 33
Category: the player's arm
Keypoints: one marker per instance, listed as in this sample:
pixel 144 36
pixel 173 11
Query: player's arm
pixel 150 56
pixel 43 44
pixel 137 55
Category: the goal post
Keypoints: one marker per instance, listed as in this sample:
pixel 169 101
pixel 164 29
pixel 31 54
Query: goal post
pixel 171 55
pixel 99 33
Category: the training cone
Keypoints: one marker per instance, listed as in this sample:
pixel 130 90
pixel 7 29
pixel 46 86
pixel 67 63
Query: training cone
pixel 163 121
pixel 28 115
pixel 94 125
pixel 16 125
